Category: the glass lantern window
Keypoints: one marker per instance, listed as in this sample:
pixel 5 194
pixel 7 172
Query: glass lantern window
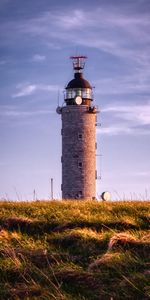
pixel 78 92
pixel 84 93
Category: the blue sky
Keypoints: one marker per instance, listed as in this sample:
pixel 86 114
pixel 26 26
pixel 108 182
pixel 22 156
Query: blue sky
pixel 37 38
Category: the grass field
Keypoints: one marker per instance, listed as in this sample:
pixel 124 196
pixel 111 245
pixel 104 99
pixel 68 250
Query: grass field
pixel 74 250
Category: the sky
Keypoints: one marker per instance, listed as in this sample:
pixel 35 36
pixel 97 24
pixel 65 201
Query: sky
pixel 36 40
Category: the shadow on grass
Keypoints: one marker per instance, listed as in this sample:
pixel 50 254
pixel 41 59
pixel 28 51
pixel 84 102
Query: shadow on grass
pixel 32 227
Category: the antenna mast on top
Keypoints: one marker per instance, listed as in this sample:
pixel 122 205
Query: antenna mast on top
pixel 78 63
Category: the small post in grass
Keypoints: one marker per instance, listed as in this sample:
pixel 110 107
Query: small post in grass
pixel 51 188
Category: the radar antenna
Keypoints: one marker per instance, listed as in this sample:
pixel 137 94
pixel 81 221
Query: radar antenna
pixel 78 63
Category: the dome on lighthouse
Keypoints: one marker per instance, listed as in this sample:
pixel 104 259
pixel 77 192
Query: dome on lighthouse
pixel 78 82
pixel 78 90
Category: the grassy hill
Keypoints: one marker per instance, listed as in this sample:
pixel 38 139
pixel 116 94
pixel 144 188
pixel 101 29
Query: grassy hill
pixel 74 250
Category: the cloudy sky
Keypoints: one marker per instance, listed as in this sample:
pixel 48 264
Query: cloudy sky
pixel 36 40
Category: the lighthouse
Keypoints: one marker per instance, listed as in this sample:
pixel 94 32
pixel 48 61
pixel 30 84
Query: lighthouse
pixel 78 132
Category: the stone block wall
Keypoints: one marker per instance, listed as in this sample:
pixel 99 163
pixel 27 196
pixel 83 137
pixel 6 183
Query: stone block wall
pixel 78 152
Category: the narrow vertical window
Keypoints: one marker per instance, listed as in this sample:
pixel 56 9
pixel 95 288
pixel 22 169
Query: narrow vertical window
pixel 80 136
pixel 96 174
pixel 80 164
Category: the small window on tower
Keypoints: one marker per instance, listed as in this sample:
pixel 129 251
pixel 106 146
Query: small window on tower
pixel 79 195
pixel 80 136
pixel 80 165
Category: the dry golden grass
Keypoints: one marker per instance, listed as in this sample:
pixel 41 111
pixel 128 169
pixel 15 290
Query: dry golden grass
pixel 72 250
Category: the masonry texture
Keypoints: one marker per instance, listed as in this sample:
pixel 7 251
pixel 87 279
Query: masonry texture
pixel 78 152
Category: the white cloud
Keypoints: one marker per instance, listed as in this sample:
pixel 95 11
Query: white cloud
pixel 120 129
pixel 38 58
pixel 25 91
pixel 14 112
pixel 112 30
pixel 126 120
pixel 114 130
pixel 136 82
pixel 137 114
pixel 69 21
pixel 29 89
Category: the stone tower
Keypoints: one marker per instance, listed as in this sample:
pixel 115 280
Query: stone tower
pixel 78 137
